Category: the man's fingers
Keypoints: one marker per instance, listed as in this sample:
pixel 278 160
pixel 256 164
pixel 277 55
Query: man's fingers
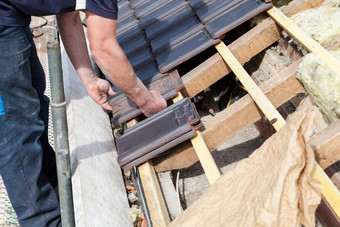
pixel 107 106
pixel 111 92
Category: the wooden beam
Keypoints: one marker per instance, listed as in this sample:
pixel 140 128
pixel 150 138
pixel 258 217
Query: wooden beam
pixel 326 145
pixel 153 194
pixel 229 122
pixel 207 161
pixel 326 215
pixel 328 190
pixel 203 153
pixel 324 212
pixel 304 39
pixel 253 90
pixel 244 48
pixel 244 112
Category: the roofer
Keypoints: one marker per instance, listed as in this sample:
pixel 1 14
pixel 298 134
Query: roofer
pixel 27 162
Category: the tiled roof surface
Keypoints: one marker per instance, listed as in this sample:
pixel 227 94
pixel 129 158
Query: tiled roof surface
pixel 164 33
pixel 158 35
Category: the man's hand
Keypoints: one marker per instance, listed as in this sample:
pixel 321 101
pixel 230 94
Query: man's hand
pixel 154 104
pixel 99 90
pixel 72 34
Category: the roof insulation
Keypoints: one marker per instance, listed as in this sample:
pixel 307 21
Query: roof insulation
pixel 322 84
pixel 321 23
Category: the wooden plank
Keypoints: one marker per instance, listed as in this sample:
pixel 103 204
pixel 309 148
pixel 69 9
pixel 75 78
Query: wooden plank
pixel 229 122
pixel 153 194
pixel 295 7
pixel 269 63
pixel 304 39
pixel 253 90
pixel 328 190
pixel 207 161
pixel 326 145
pixel 244 48
pixel 326 215
pixel 324 212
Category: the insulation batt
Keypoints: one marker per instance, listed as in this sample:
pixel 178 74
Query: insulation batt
pixel 322 84
pixel 321 23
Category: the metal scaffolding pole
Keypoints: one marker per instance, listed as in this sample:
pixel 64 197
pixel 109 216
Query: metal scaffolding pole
pixel 58 106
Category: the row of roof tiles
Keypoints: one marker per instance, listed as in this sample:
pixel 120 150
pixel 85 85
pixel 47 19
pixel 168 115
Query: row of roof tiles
pixel 158 35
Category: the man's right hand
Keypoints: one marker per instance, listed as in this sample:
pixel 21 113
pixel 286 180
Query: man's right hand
pixel 99 90
pixel 154 104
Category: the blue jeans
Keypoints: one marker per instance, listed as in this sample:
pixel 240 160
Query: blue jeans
pixel 27 161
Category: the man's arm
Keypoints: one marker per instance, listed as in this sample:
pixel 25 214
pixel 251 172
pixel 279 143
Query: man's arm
pixel 72 34
pixel 114 64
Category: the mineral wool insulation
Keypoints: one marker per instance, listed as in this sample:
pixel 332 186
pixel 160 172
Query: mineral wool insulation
pixel 322 84
pixel 323 24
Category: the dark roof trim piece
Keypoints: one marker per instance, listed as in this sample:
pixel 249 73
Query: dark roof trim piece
pixel 140 59
pixel 158 133
pixel 125 11
pixel 136 44
pixel 148 7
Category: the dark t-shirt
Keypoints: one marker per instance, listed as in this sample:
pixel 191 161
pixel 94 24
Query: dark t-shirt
pixel 19 12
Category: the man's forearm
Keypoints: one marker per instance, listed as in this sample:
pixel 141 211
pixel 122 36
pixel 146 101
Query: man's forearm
pixel 112 60
pixel 72 34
